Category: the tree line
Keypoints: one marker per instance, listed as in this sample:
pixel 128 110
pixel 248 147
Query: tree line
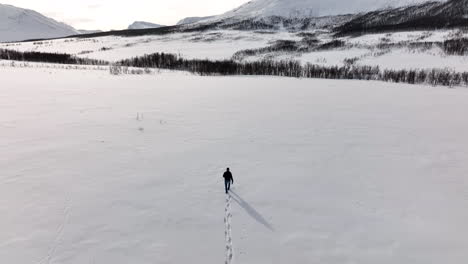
pixel 266 67
pixel 59 58
pixel 457 46
pixel 295 69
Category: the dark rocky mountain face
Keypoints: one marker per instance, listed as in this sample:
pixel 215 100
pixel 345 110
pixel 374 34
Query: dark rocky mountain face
pixel 427 16
pixel 278 23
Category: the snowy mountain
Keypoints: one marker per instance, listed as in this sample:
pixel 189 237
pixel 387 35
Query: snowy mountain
pixel 143 25
pixel 296 15
pixel 20 24
pixel 310 8
pixel 89 31
pixel 190 20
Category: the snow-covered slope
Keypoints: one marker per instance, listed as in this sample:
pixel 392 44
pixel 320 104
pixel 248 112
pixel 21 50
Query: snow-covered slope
pixel 190 20
pixel 308 8
pixel 143 25
pixel 21 24
pixel 89 31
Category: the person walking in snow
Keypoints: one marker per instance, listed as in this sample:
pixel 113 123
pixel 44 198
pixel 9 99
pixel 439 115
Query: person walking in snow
pixel 228 180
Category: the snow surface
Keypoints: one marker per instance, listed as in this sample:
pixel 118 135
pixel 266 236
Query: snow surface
pixel 406 59
pixel 409 36
pixel 127 169
pixel 328 58
pixel 211 45
pixel 18 24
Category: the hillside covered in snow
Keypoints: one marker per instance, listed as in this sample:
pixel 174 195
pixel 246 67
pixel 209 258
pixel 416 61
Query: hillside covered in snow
pixel 143 25
pixel 310 8
pixel 190 20
pixel 18 24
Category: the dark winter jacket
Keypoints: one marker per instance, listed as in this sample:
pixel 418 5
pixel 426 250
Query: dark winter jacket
pixel 228 176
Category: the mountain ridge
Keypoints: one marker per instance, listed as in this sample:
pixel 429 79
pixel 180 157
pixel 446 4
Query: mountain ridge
pixel 310 8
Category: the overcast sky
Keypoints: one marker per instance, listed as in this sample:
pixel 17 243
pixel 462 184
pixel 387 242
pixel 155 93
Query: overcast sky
pixel 118 14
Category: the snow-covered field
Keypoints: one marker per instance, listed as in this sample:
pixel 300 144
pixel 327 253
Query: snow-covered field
pixel 406 59
pixel 214 45
pixel 127 169
pixel 223 44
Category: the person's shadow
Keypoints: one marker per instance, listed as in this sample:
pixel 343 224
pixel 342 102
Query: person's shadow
pixel 251 211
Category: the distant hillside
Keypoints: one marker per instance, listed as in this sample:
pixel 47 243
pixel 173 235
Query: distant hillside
pixel 143 25
pixel 20 24
pixel 88 31
pixel 191 20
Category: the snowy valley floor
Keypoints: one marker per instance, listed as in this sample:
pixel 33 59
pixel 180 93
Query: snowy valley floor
pixel 127 169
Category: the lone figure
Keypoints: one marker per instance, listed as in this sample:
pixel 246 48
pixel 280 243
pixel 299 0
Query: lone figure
pixel 228 180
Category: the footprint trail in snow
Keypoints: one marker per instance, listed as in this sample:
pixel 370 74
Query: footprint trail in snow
pixel 228 230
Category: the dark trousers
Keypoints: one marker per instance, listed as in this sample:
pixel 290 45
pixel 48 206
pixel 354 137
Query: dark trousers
pixel 227 185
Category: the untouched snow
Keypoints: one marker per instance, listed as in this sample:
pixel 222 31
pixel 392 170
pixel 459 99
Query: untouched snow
pixel 20 24
pixel 127 169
